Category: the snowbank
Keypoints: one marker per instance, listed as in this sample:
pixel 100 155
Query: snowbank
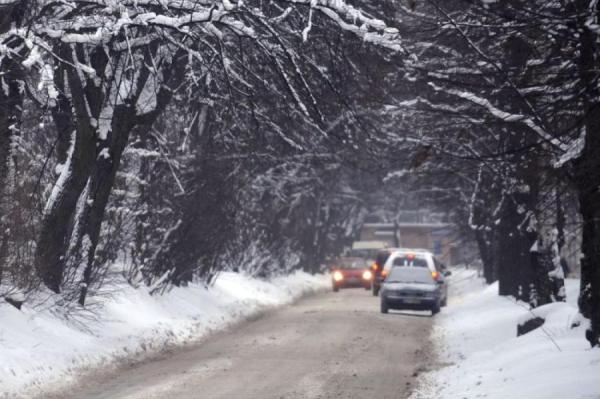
pixel 481 357
pixel 42 347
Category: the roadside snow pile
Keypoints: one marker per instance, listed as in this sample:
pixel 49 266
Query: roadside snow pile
pixel 42 347
pixel 482 357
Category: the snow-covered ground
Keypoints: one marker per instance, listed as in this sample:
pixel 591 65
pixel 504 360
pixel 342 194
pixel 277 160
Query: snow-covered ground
pixel 481 356
pixel 42 348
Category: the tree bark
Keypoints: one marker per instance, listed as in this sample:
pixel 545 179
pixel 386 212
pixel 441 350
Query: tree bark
pixel 62 113
pixel 587 174
pixel 516 271
pixel 11 104
pixel 483 228
pixel 108 159
pixel 588 183
pixel 55 232
pixel 486 251
pixel 508 252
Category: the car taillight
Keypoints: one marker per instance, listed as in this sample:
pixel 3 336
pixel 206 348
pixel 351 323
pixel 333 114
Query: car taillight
pixel 367 275
pixel 384 273
pixel 435 275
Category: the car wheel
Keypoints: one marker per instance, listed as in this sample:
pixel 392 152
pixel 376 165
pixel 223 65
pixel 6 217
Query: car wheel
pixel 435 309
pixel 384 306
pixel 444 302
pixel 375 290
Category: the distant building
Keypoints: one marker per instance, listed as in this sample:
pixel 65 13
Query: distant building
pixel 379 232
pixel 438 237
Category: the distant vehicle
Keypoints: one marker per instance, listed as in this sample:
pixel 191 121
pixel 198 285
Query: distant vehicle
pixel 351 272
pixel 377 266
pixel 366 249
pixel 380 267
pixel 414 288
pixel 415 258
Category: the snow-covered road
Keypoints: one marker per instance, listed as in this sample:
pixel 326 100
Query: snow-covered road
pixel 325 346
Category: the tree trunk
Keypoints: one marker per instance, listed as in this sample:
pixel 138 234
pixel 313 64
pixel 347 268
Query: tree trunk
pixel 516 274
pixel 62 113
pixel 11 104
pixel 483 224
pixel 486 251
pixel 55 232
pixel 108 160
pixel 589 297
pixel 587 173
pixel 508 258
pixel 588 182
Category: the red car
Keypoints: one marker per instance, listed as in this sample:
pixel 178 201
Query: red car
pixel 351 272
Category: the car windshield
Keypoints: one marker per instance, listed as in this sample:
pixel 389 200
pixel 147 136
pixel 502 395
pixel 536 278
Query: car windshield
pixel 350 263
pixel 410 275
pixel 405 260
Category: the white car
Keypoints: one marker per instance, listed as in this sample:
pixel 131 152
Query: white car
pixel 412 288
pixel 418 258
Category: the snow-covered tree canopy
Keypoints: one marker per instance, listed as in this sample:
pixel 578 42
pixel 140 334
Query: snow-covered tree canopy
pixel 178 134
pixel 105 72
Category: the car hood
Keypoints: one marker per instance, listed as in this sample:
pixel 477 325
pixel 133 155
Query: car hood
pixel 410 287
pixel 352 272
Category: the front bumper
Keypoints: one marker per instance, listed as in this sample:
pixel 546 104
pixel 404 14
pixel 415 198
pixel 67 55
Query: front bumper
pixel 352 282
pixel 412 303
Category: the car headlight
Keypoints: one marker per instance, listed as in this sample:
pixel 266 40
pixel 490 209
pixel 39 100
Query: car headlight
pixel 338 276
pixel 367 275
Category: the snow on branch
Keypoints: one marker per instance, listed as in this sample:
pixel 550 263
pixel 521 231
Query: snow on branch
pixel 503 115
pixel 340 7
pixel 96 30
pixel 102 21
pixel 574 150
pixel 349 18
pixel 382 36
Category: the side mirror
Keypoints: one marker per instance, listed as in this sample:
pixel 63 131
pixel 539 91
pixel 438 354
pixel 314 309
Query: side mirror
pixel 447 273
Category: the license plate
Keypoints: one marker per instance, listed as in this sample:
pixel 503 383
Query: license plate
pixel 412 300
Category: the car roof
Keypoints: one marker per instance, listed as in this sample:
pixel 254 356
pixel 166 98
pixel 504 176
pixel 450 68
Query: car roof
pixel 402 251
